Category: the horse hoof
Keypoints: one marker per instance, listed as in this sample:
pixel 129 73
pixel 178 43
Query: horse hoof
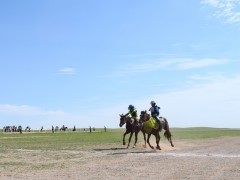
pixel 124 143
pixel 152 147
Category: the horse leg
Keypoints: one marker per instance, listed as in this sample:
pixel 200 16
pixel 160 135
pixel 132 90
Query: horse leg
pixel 136 139
pixel 129 140
pixel 124 142
pixel 171 142
pixel 149 135
pixel 158 141
pixel 170 138
pixel 144 136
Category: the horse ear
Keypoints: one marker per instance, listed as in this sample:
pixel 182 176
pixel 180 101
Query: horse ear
pixel 145 111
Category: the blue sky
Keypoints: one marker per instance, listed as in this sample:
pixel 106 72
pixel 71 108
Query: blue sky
pixel 82 63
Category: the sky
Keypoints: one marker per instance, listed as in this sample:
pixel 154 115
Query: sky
pixel 82 63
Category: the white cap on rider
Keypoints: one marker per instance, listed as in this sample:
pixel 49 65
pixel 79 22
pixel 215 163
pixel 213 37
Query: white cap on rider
pixel 152 102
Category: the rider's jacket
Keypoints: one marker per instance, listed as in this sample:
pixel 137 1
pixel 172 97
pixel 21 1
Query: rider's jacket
pixel 133 114
pixel 154 110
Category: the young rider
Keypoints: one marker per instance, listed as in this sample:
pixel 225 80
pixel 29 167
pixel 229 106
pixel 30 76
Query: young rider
pixel 133 112
pixel 155 113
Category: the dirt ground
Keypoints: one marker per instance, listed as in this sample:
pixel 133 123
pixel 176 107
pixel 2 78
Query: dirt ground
pixel 201 159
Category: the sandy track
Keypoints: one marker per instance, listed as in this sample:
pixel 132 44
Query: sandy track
pixel 202 159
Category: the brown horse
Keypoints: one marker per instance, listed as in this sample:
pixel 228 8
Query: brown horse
pixel 144 117
pixel 131 128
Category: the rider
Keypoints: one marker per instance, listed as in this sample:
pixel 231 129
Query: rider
pixel 155 113
pixel 133 112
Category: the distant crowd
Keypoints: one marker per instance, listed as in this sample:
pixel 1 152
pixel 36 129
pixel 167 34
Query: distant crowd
pixel 12 129
pixel 54 129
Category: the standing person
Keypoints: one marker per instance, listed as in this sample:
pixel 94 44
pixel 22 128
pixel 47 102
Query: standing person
pixel 133 112
pixel 155 113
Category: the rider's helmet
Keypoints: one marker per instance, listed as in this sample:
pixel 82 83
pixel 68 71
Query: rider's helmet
pixel 152 103
pixel 130 107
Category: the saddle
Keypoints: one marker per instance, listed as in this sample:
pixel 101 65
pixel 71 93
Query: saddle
pixel 150 124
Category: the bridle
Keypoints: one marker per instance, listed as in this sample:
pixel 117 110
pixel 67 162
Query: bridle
pixel 123 120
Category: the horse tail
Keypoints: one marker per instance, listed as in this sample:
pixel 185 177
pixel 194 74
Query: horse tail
pixel 167 132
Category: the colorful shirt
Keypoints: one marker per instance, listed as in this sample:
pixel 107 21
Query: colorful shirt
pixel 133 114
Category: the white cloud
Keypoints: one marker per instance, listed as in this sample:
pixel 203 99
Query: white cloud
pixel 226 9
pixel 177 64
pixel 18 110
pixel 214 103
pixel 190 64
pixel 209 77
pixel 67 71
pixel 25 110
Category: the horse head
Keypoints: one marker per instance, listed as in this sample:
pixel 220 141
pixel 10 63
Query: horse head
pixel 123 120
pixel 144 116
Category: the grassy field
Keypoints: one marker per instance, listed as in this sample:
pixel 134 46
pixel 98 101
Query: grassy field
pixel 203 133
pixel 83 140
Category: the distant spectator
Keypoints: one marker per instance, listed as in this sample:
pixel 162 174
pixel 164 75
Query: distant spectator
pixel 28 129
pixel 20 129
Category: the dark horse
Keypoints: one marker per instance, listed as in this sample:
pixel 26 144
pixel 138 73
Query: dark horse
pixel 130 128
pixel 144 117
pixel 63 128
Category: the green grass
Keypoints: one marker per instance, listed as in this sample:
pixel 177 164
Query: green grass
pixel 203 133
pixel 59 140
pixel 85 140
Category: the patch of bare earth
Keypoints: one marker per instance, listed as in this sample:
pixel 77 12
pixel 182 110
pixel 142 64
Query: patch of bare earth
pixel 201 159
